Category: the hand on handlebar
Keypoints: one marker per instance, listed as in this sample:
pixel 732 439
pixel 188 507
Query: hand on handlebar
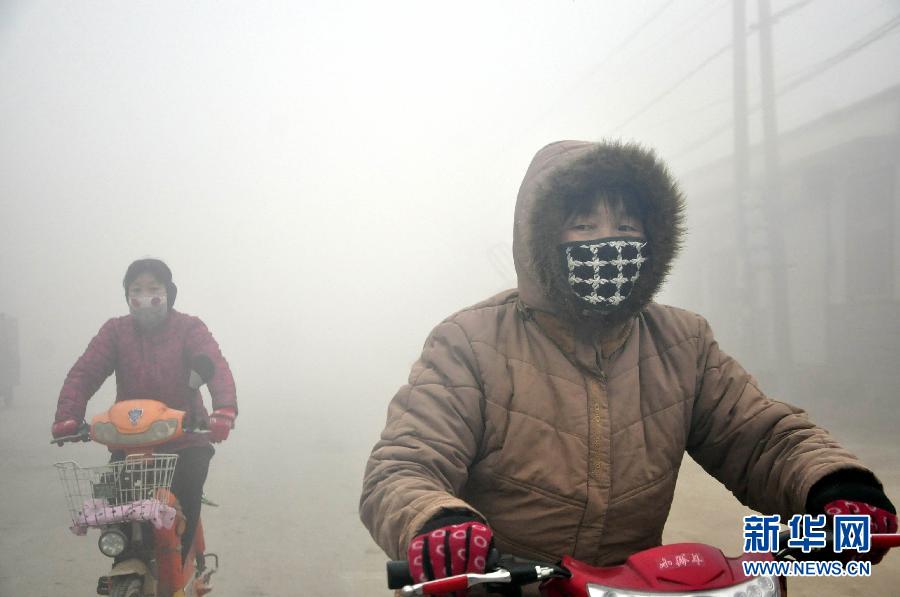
pixel 449 546
pixel 221 422
pixel 64 428
pixel 854 492
pixel 69 430
pixel 882 521
pixel 501 570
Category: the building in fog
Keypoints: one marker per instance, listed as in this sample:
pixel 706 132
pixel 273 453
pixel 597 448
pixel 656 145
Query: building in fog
pixel 839 217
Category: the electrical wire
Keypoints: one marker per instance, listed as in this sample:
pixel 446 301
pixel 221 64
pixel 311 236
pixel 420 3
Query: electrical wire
pixel 817 69
pixel 751 31
pixel 754 27
pixel 694 21
pixel 810 73
pixel 672 88
pixel 569 89
pixel 617 49
pixel 634 34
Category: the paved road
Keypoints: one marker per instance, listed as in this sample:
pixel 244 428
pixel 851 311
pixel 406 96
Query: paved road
pixel 288 523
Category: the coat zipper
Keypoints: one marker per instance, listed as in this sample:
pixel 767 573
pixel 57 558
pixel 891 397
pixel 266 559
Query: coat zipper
pixel 597 419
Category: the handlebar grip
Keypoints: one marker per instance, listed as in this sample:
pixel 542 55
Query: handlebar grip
pixel 398 575
pixel 82 434
pixel 886 540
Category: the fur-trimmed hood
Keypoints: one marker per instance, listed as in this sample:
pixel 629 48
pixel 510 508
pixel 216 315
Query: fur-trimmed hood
pixel 568 171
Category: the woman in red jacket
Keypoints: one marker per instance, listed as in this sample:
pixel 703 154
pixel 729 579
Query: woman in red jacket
pixel 150 351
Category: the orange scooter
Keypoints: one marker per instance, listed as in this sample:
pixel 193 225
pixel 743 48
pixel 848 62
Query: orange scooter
pixel 131 503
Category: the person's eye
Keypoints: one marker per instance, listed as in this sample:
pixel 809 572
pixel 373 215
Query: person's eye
pixel 627 228
pixel 582 227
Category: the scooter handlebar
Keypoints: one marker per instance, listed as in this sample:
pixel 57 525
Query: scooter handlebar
pixel 519 573
pixel 83 435
pixel 885 540
pixel 398 575
pixel 516 573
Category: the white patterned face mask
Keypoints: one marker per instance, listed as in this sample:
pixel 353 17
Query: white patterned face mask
pixel 602 272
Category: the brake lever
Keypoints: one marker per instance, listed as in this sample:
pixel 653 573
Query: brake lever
pixel 59 441
pixel 451 584
pixel 83 435
pixel 518 574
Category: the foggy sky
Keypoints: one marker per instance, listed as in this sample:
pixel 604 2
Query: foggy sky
pixel 329 180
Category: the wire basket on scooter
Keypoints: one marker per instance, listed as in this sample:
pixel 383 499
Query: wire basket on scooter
pixel 136 488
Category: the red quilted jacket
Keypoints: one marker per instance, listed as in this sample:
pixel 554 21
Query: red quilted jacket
pixel 151 365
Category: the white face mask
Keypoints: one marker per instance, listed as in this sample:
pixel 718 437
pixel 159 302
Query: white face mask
pixel 149 311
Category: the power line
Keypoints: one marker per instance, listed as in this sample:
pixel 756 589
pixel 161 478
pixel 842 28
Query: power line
pixel 621 46
pixel 691 112
pixel 754 27
pixel 612 53
pixel 697 143
pixel 693 21
pixel 711 7
pixel 819 68
pixel 810 73
pixel 624 43
pixel 752 30
pixel 673 87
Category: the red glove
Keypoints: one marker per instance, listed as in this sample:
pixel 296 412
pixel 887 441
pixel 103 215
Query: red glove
pixel 64 428
pixel 882 521
pixel 449 550
pixel 221 422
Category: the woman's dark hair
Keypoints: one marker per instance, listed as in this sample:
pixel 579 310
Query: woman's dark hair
pixel 619 202
pixel 156 268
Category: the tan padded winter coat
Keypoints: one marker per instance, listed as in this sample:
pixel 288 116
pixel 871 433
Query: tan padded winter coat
pixel 568 441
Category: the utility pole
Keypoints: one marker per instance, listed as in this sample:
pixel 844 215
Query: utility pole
pixel 782 362
pixel 746 325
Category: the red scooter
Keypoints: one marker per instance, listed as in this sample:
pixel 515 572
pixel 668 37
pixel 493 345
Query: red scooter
pixel 677 570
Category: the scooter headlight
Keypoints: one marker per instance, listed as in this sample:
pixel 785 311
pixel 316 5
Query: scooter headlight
pixel 762 586
pixel 112 542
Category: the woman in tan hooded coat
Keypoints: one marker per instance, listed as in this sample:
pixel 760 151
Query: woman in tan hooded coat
pixel 558 413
